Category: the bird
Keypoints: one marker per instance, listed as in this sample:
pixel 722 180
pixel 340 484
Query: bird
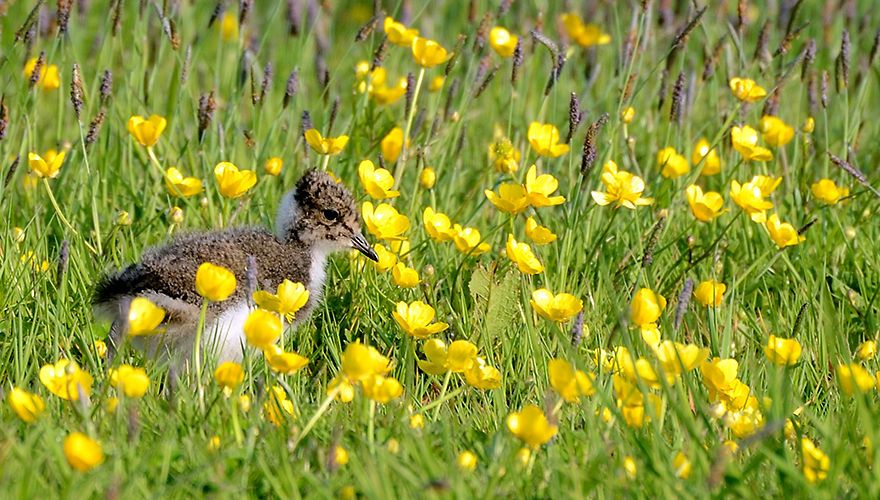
pixel 315 219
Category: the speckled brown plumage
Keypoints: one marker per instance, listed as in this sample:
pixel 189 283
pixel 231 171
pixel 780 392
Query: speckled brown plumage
pixel 315 219
pixel 171 269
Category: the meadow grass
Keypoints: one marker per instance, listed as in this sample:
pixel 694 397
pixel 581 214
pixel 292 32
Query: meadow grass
pixel 186 438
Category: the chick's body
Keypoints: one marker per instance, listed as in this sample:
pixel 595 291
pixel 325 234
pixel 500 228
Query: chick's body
pixel 314 220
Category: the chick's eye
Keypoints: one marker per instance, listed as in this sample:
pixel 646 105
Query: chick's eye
pixel 331 215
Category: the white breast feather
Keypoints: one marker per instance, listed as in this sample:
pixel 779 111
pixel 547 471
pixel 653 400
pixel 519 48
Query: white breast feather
pixel 224 338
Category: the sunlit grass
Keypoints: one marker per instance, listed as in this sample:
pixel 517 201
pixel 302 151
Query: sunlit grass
pixel 590 363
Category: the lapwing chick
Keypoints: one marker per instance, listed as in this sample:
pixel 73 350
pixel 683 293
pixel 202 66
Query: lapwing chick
pixel 317 218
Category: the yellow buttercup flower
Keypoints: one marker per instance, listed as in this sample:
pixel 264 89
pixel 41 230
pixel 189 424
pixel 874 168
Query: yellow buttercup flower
pixel 229 27
pixel 49 77
pixel 146 131
pixel 215 283
pixel 35 264
pixel 416 319
pixel 539 234
pixel 646 307
pixel 175 215
pixel 427 178
pixel 278 407
pixel 866 350
pixel 469 241
pixel 385 94
pixel 853 377
pixel 123 218
pixel 776 132
pixel 816 463
pixel 540 188
pixel 289 298
pixel 382 389
pixel 377 182
pixel 132 381
pixel 677 358
pixel 746 90
pixel 340 455
pixel 28 407
pixel 628 114
pixel 586 35
pixel 704 152
pixel 809 125
pixel 459 357
pixel 719 375
pixel 705 206
pixel 428 53
pixel 640 369
pixel 521 255
pixel 404 276
pixel 531 426
pixel 181 186
pixel 144 317
pixel 82 452
pixel 417 421
pixel 483 376
pixel 392 144
pixel 783 233
pixel 559 307
pixel 325 145
pixel 65 379
pixel 744 423
pixel 629 466
pixel 387 258
pixel 622 188
pixel 360 362
pixel 46 166
pixel 436 83
pixel 766 184
pixel 437 225
pixel 781 351
pixel 262 328
pixel 511 198
pixel 504 156
pixel 750 199
pixel 672 165
pixel 544 138
pixel 232 182
pixel 398 34
pixel 710 293
pixel 466 461
pixel 682 466
pixel 273 166
pixel 828 192
pixel 650 334
pixel 284 362
pixel 229 375
pixel 384 221
pixel 569 383
pixel 502 41
pixel 745 140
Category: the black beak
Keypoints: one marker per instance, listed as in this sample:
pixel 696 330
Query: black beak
pixel 361 245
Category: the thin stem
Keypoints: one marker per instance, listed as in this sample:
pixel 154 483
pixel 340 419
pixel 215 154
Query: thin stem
pixel 239 438
pixel 442 392
pixel 314 420
pixel 439 401
pixel 371 428
pixel 155 161
pixel 60 214
pixel 398 169
pixel 197 349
